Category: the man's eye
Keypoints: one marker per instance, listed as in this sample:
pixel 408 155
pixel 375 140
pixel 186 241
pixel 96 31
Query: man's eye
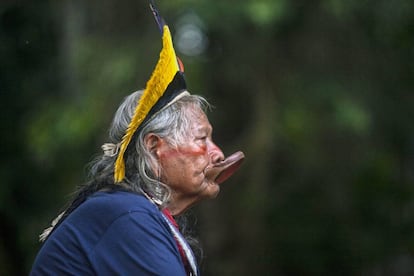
pixel 202 138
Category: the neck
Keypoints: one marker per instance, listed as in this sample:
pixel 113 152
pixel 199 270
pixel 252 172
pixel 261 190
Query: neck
pixel 179 205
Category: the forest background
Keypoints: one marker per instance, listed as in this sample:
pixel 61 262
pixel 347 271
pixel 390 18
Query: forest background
pixel 318 94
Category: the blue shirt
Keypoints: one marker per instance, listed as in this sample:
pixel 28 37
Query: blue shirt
pixel 111 233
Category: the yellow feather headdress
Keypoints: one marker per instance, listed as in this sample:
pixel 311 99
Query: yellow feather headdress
pixel 166 83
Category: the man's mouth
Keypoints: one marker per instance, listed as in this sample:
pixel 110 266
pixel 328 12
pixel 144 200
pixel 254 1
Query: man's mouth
pixel 221 171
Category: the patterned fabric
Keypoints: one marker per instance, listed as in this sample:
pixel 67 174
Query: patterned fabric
pixel 187 254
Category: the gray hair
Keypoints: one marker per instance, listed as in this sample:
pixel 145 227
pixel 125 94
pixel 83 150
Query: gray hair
pixel 171 123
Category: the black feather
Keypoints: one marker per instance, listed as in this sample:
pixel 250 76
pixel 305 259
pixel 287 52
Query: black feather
pixel 160 21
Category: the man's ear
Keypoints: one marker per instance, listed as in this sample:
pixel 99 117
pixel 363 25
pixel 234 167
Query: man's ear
pixel 152 142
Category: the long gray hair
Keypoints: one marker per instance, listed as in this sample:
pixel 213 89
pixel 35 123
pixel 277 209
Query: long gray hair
pixel 141 167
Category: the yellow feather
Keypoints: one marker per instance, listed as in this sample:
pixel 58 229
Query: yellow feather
pixel 162 76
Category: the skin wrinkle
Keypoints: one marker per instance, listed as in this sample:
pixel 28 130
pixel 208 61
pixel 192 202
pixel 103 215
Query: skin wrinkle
pixel 173 160
pixel 183 166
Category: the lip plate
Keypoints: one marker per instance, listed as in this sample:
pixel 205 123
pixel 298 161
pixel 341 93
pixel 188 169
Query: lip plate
pixel 227 167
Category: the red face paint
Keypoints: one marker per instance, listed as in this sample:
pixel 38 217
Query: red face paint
pixel 183 151
pixel 183 168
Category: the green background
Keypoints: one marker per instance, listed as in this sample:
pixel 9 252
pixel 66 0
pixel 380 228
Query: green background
pixel 318 94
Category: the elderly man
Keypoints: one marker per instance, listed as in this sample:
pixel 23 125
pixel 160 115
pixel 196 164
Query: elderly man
pixel 161 160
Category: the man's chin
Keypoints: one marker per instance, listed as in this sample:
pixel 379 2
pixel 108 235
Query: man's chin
pixel 211 191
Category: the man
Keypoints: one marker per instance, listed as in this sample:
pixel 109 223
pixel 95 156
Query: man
pixel 161 161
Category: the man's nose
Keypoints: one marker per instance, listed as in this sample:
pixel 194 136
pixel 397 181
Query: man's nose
pixel 215 153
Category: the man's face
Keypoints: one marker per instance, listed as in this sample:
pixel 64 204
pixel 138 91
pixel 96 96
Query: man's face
pixel 183 168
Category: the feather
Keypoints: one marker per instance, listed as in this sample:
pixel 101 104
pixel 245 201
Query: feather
pixel 47 231
pixel 162 76
pixel 160 21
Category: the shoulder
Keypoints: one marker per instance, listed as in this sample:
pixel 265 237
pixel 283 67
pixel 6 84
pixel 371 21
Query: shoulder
pixel 111 233
pixel 88 223
pixel 118 202
pixel 122 212
pixel 138 236
pixel 105 210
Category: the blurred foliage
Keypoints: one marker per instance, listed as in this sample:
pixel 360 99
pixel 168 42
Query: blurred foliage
pixel 318 94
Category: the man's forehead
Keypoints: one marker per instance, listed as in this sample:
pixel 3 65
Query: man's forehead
pixel 198 119
pixel 204 128
pixel 201 123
